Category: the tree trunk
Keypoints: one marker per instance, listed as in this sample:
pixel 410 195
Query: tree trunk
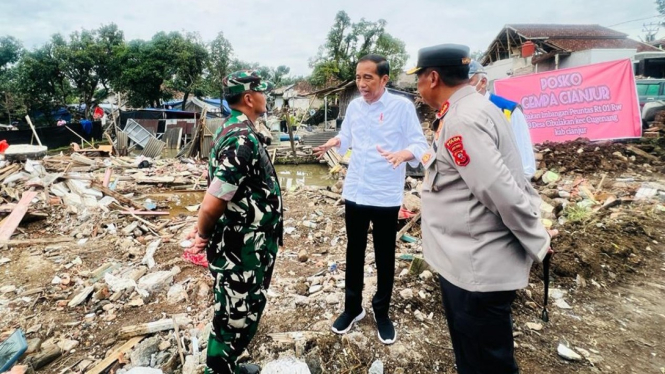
pixel 184 101
pixel 88 103
pixel 9 114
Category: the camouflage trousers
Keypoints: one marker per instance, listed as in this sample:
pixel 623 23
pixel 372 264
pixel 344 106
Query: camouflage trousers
pixel 242 276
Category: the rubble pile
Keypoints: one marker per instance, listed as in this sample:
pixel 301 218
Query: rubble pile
pixel 95 278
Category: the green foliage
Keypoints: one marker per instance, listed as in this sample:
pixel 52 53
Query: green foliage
pixel 41 82
pixel 575 213
pixel 347 42
pixel 188 55
pixel 89 65
pixel 88 59
pixel 10 52
pixel 218 65
pixel 144 70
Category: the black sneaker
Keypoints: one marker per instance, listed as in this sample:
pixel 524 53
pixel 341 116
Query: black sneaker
pixel 386 330
pixel 249 369
pixel 345 321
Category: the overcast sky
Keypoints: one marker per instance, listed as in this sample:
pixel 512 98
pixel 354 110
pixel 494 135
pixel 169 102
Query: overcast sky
pixel 289 32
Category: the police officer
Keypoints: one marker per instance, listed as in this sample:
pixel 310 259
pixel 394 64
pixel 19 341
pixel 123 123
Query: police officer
pixel 239 224
pixel 481 222
pixel 512 111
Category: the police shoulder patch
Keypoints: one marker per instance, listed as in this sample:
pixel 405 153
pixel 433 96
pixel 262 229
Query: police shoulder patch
pixel 455 146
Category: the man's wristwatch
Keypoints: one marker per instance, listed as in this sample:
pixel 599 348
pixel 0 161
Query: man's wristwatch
pixel 204 237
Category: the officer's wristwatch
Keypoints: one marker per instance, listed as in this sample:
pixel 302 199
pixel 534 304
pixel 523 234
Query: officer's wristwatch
pixel 204 237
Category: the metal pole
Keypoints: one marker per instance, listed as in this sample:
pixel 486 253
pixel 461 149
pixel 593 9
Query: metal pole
pixel 325 113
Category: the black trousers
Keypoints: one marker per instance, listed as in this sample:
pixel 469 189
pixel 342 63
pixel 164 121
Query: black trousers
pixel 384 221
pixel 481 329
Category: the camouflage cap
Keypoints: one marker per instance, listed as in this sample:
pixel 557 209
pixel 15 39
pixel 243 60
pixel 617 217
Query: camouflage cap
pixel 246 80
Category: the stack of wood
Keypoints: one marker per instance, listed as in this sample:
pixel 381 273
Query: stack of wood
pixel 332 158
pixel 657 127
pixel 284 155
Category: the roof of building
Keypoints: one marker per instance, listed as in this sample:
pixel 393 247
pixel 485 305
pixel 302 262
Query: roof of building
pixel 565 31
pixel 552 38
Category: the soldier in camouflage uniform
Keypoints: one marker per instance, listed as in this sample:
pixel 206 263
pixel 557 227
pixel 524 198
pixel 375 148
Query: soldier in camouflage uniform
pixel 239 224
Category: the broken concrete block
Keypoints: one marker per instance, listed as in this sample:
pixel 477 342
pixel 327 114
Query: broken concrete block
pixel 67 344
pixel 81 297
pixel 155 282
pixel 143 352
pixel 176 294
pixel 286 365
pixel 568 353
pixel 412 203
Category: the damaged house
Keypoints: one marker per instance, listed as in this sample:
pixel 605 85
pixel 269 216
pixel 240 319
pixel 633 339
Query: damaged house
pixel 521 49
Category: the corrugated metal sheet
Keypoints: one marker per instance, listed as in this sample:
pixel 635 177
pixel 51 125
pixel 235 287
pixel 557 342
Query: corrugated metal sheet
pixel 149 124
pixel 187 125
pixel 153 148
pixel 172 137
pixel 137 133
pixel 122 143
pixel 206 146
pixel 212 124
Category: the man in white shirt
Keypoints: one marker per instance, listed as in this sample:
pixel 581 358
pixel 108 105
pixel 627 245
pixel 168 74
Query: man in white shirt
pixel 478 79
pixel 379 127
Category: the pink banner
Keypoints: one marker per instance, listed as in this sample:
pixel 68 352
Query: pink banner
pixel 596 101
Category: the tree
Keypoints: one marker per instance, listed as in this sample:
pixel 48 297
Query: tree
pixel 88 59
pixel 111 43
pixel 477 55
pixel 347 42
pixel 41 81
pixel 660 4
pixel 279 74
pixel 219 65
pixel 11 50
pixel 144 70
pixel 188 59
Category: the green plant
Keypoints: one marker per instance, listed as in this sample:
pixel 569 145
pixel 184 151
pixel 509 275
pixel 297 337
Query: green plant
pixel 575 213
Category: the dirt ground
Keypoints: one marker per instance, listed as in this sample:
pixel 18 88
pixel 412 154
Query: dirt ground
pixel 606 294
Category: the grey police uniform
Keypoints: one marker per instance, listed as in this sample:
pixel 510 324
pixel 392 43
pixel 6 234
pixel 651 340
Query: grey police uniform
pixel 481 220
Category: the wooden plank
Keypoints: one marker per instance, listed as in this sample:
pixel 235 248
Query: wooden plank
pixel 40 241
pixel 114 149
pixel 42 359
pixel 408 225
pixel 113 357
pixel 12 169
pixel 640 152
pixel 145 213
pixel 121 199
pixel 80 137
pixel 14 219
pixel 331 195
pixel 82 159
pixel 32 127
pixel 146 328
pixel 107 177
pixel 294 336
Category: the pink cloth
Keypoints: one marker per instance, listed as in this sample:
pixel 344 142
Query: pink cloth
pixel 196 259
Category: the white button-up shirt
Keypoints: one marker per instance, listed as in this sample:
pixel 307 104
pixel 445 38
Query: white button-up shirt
pixel 523 138
pixel 392 124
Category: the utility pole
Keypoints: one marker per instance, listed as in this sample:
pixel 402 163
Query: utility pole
pixel 650 31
